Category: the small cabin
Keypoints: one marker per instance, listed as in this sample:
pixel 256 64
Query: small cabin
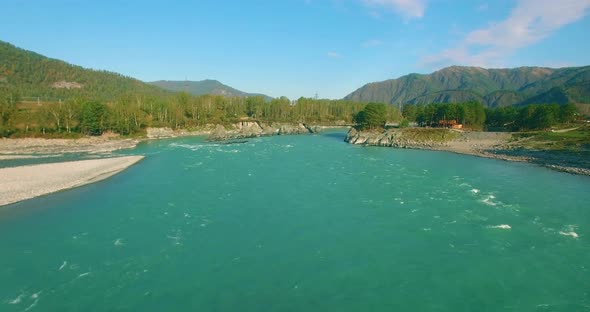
pixel 453 124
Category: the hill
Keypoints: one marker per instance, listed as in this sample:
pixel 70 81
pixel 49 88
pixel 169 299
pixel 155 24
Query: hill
pixel 491 87
pixel 33 75
pixel 212 87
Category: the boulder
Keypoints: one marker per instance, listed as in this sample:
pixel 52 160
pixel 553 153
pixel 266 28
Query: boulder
pixel 218 134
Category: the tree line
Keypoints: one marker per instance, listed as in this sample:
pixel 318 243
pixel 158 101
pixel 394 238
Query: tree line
pixel 531 117
pixel 131 113
pixel 469 114
pixel 473 115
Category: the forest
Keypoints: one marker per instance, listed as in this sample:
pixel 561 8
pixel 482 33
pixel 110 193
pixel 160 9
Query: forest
pixel 473 115
pixel 470 114
pixel 130 114
pixel 530 117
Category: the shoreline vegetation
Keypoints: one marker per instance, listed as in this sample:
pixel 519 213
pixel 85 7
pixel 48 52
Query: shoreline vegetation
pixel 26 182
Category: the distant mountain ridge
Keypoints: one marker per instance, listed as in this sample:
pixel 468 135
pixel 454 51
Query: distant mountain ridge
pixel 491 87
pixel 203 87
pixel 34 75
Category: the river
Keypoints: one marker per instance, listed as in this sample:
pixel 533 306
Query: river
pixel 302 223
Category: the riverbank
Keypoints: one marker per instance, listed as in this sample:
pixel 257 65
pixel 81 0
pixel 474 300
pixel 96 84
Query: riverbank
pixel 26 182
pixel 239 130
pixel 32 147
pixel 496 145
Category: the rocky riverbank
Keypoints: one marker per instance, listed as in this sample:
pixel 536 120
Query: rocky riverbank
pixel 239 130
pixel 250 129
pixel 108 143
pixel 497 145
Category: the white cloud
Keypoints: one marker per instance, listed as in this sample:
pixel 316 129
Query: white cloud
pixel 529 22
pixel 483 7
pixel 371 43
pixel 407 8
pixel 333 54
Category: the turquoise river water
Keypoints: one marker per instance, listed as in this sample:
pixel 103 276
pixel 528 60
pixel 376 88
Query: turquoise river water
pixel 302 223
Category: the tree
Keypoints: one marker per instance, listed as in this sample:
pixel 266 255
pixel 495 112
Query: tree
pixel 373 116
pixel 254 106
pixel 93 113
pixel 71 113
pixel 567 113
pixel 8 100
pixel 475 115
pixel 544 116
pixel 56 111
pixel 43 119
pixel 502 117
pixel 410 112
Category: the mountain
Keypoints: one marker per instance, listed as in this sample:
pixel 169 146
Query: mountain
pixel 34 75
pixel 202 87
pixel 492 87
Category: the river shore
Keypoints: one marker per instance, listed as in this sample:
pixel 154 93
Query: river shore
pixel 26 182
pixel 495 145
pixel 32 147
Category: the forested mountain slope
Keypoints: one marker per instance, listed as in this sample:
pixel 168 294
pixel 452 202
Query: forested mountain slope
pixel 491 87
pixel 211 87
pixel 32 75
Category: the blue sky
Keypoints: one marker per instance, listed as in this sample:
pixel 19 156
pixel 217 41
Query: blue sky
pixel 299 47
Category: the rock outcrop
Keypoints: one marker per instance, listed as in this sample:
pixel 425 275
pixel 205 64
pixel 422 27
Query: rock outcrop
pixel 250 129
pixel 160 133
pixel 67 85
pixel 400 138
pixel 496 145
pixel 239 130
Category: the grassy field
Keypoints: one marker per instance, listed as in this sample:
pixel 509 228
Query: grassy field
pixel 429 134
pixel 574 140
